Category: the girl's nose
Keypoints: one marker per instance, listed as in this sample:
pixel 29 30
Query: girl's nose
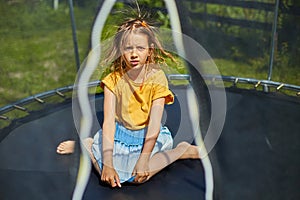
pixel 133 53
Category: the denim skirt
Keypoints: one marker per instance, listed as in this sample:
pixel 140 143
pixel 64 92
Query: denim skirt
pixel 128 145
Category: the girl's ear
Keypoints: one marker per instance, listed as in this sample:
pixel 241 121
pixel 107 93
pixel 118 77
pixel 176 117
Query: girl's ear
pixel 151 48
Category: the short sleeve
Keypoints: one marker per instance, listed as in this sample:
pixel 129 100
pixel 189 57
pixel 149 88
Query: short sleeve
pixel 161 88
pixel 109 81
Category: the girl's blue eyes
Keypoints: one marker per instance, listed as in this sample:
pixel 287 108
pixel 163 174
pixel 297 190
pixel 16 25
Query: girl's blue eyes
pixel 140 48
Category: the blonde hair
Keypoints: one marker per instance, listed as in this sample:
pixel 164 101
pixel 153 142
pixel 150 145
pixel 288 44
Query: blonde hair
pixel 137 26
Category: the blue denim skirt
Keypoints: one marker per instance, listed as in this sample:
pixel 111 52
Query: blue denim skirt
pixel 128 145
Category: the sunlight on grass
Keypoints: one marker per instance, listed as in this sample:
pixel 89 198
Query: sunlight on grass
pixel 37 52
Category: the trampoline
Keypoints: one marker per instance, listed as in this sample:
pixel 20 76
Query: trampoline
pixel 256 156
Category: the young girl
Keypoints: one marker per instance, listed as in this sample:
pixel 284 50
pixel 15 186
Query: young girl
pixel 132 145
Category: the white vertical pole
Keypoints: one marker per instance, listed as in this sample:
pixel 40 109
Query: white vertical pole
pixel 55 4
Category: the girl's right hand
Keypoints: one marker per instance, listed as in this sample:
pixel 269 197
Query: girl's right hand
pixel 110 176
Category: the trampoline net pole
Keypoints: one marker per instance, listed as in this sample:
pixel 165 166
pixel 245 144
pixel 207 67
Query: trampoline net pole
pixel 74 35
pixel 273 40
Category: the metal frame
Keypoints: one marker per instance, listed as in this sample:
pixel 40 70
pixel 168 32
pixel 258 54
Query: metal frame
pixel 213 78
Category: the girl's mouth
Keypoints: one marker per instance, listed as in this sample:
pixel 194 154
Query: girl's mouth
pixel 134 62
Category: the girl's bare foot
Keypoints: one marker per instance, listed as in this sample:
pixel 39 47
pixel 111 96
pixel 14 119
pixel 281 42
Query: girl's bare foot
pixel 191 151
pixel 66 147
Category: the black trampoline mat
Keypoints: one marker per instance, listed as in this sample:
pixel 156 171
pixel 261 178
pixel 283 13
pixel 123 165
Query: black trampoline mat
pixel 181 180
pixel 256 156
pixel 30 168
pixel 258 151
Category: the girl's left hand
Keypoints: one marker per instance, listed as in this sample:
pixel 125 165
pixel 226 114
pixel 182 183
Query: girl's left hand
pixel 141 170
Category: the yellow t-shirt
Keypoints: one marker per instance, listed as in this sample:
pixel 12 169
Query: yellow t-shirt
pixel 134 100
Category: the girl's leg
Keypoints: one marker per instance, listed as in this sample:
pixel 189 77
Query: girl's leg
pixel 88 143
pixel 161 160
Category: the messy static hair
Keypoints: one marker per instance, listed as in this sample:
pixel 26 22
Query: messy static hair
pixel 138 26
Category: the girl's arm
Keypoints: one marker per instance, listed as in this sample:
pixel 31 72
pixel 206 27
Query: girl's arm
pixel 154 126
pixel 108 174
pixel 141 170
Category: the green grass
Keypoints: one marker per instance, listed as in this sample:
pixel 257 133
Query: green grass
pixel 36 51
pixel 258 69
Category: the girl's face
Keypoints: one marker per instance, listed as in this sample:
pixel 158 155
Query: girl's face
pixel 136 50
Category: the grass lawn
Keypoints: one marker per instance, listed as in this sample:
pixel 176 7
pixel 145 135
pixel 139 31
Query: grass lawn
pixel 36 52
